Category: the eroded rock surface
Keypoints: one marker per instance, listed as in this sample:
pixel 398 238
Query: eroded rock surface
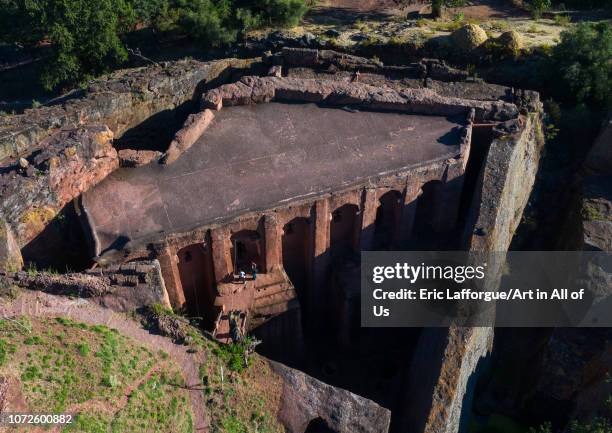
pixel 63 166
pixel 10 255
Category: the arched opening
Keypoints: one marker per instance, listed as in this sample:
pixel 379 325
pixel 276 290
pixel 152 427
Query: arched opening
pixel 343 231
pixel 296 252
pixel 197 279
pixel 247 248
pixel 387 222
pixel 318 425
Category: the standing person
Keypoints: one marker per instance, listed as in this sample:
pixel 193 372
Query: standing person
pixel 254 270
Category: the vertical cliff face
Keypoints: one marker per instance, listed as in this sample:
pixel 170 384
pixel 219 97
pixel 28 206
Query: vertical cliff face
pixel 442 393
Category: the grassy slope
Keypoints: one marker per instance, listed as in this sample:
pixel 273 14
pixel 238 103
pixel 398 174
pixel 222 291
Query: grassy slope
pixel 115 384
pixel 240 399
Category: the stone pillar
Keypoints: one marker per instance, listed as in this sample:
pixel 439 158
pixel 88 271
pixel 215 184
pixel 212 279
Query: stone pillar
pixel 320 260
pixel 221 250
pixel 411 196
pixel 272 243
pixel 168 263
pixel 368 219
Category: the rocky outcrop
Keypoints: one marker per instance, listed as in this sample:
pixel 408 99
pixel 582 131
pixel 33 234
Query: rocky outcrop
pixel 334 61
pixel 121 288
pixel 192 129
pixel 596 207
pixel 253 90
pixel 121 100
pixel 305 399
pixel 576 376
pixel 37 187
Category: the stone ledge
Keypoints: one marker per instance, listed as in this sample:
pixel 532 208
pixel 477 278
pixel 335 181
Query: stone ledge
pixel 121 288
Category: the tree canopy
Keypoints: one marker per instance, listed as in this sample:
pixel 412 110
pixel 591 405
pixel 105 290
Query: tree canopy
pixel 86 37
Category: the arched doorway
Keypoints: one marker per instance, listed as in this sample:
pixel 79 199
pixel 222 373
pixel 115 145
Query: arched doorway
pixel 318 425
pixel 296 252
pixel 247 248
pixel 197 279
pixel 387 222
pixel 343 231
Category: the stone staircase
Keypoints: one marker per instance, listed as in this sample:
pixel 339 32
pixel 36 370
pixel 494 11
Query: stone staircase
pixel 257 301
pixel 273 298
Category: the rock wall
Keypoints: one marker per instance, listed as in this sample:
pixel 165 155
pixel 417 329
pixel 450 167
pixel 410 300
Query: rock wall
pixel 121 100
pixel 36 188
pixel 506 182
pixel 253 90
pixel 305 399
pixel 440 395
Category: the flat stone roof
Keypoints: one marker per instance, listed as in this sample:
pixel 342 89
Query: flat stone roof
pixel 258 156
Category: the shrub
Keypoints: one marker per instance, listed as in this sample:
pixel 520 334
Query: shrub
pixel 286 13
pixel 580 64
pixel 539 6
pixel 437 8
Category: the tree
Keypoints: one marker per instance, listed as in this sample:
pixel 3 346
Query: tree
pixel 539 6
pixel 437 8
pixel 580 65
pixel 84 35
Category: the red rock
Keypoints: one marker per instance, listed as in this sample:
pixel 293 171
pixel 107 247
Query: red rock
pixel 136 158
pixel 192 129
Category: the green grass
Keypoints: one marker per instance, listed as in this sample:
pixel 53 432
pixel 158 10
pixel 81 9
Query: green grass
pixel 240 399
pixel 64 365
pixel 154 408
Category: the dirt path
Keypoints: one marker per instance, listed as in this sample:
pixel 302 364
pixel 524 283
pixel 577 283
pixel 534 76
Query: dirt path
pixel 40 304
